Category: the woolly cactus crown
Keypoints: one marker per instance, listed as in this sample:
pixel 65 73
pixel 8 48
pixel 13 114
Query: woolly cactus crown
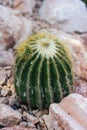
pixel 43 71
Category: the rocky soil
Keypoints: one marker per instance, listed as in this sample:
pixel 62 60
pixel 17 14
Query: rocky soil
pixel 18 20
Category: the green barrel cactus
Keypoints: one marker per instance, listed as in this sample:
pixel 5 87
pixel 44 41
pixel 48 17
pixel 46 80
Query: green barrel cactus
pixel 43 71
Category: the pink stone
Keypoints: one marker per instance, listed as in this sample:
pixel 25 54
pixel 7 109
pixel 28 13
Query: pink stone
pixel 81 88
pixel 6 58
pixel 65 121
pixel 17 128
pixel 24 6
pixel 13 27
pixel 62 14
pixel 84 37
pixel 76 106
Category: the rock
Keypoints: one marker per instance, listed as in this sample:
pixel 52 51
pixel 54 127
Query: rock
pixel 2 75
pixel 84 37
pixel 14 30
pixel 8 116
pixel 4 91
pixel 2 47
pixel 24 6
pixel 81 88
pixel 76 106
pixel 30 118
pixel 6 58
pixel 23 124
pixel 27 124
pixel 2 99
pixel 12 99
pixel 64 120
pixel 6 2
pixel 12 89
pixel 17 128
pixel 62 14
pixel 45 122
pixel 8 73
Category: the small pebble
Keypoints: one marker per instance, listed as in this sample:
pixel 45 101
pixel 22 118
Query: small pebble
pixel 4 91
pixel 24 124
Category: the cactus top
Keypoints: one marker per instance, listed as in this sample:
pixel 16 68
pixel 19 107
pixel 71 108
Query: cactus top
pixel 43 71
pixel 45 44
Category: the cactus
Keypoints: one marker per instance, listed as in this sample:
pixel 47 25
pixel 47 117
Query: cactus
pixel 43 71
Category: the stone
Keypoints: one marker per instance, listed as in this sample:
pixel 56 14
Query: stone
pixel 2 99
pixel 12 89
pixel 6 2
pixel 84 37
pixel 16 29
pixel 45 122
pixel 6 58
pixel 76 106
pixel 24 124
pixel 27 124
pixel 2 76
pixel 4 91
pixel 24 6
pixel 81 88
pixel 2 47
pixel 8 116
pixel 17 128
pixel 12 99
pixel 8 73
pixel 64 120
pixel 30 118
pixel 62 14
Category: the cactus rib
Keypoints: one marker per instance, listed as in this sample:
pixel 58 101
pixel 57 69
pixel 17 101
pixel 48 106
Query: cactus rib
pixel 43 72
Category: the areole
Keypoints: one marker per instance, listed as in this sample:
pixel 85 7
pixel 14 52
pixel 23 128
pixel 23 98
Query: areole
pixel 43 71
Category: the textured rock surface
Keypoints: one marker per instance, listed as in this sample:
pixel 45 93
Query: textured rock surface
pixel 62 13
pixel 24 6
pixel 14 30
pixel 65 121
pixel 2 76
pixel 8 116
pixel 17 128
pixel 6 58
pixel 76 106
pixel 30 118
pixel 81 88
pixel 6 2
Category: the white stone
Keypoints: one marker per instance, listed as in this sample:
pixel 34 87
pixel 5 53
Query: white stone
pixel 81 88
pixel 68 15
pixel 4 90
pixel 45 121
pixel 13 26
pixel 30 118
pixel 2 76
pixel 24 6
pixel 8 116
pixel 18 128
pixel 6 58
pixel 76 106
pixel 6 2
pixel 65 121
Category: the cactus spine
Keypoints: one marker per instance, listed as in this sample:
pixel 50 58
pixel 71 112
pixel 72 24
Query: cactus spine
pixel 43 71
